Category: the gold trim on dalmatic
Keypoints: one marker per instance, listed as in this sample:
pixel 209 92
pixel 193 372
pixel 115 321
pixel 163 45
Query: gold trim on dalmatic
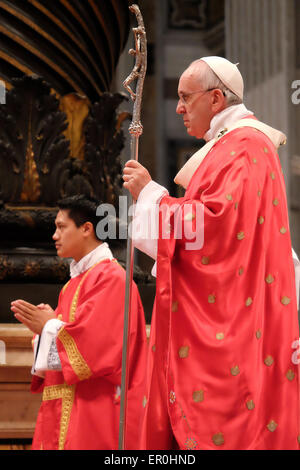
pixel 76 295
pixel 66 393
pixel 63 391
pixel 77 362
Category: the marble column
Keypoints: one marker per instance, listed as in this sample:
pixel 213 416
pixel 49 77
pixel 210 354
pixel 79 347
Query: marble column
pixel 261 35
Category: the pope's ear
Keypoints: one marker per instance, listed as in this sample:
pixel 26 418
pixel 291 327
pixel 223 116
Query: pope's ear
pixel 218 95
pixel 219 99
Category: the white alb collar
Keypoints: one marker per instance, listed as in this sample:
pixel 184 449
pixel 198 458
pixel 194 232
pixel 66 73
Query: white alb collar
pixel 98 254
pixel 225 119
pixel 229 119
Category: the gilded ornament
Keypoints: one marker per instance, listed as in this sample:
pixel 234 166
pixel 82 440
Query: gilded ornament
pixel 205 260
pixel 198 396
pixel 283 230
pixel 60 270
pixel 269 361
pixel 28 219
pixel 261 219
pixel 222 132
pixel 254 160
pixel 32 268
pixel 154 348
pixel 144 402
pixel 269 279
pixel 6 267
pixel 272 174
pixel 190 443
pixel 235 370
pixel 241 270
pixel 290 375
pixel 285 300
pixel 249 301
pixel 183 352
pixel 240 236
pixel 45 169
pixel 258 334
pixel 266 150
pixel 172 397
pixel 218 439
pixel 77 109
pixel 228 197
pixel 16 168
pixel 232 153
pixel 211 299
pixel 31 190
pixel 250 404
pixel 272 425
pixel 175 306
pixel 275 202
pixel 220 336
pixel 259 193
pixel 236 205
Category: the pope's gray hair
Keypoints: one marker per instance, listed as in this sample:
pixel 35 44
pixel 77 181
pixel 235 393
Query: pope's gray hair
pixel 209 80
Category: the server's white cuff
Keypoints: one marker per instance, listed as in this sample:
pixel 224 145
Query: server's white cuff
pixel 43 345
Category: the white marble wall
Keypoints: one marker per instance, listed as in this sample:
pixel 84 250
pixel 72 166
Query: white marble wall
pixel 261 36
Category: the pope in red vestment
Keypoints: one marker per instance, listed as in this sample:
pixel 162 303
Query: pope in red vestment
pixel 81 404
pixel 226 317
pixel 223 364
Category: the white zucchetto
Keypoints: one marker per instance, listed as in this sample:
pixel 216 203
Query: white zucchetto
pixel 228 73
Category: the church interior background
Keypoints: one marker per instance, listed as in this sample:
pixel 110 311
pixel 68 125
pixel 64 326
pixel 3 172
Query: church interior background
pixel 64 130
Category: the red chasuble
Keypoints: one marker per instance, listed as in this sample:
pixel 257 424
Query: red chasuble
pixel 81 405
pixel 223 370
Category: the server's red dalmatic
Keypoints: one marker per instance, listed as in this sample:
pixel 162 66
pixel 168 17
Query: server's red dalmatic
pixel 81 405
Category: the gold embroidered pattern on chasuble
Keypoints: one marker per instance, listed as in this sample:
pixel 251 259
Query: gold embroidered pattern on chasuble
pixel 250 405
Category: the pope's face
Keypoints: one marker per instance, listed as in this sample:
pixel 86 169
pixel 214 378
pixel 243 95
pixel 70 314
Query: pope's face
pixel 195 104
pixel 68 237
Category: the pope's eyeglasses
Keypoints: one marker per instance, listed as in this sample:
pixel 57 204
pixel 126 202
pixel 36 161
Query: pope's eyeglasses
pixel 184 97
